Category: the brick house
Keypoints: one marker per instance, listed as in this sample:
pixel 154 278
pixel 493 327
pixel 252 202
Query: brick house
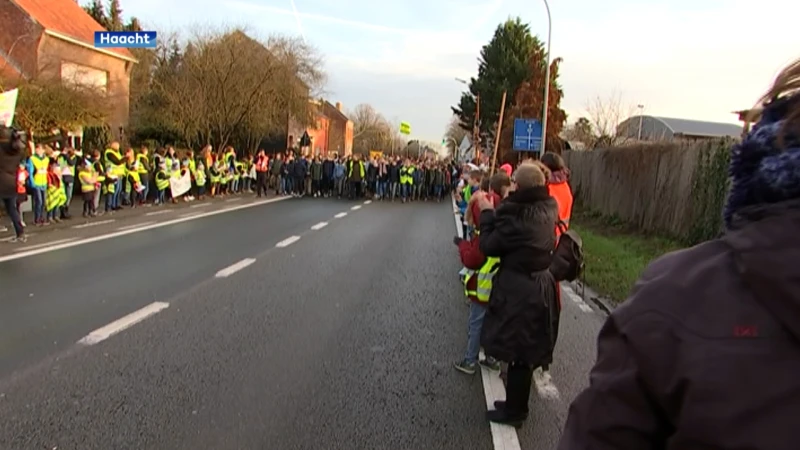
pixel 332 133
pixel 54 39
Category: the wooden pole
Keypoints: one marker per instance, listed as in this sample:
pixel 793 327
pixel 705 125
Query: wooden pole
pixel 497 135
pixel 476 132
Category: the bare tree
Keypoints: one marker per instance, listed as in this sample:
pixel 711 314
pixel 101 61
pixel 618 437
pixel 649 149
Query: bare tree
pixel 454 134
pixel 604 116
pixel 371 131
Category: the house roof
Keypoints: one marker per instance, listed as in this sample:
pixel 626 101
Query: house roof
pixel 66 18
pixel 332 107
pixel 689 127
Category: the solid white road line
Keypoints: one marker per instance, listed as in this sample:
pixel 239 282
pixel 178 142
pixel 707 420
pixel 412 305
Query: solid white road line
pixel 101 334
pixel 155 213
pixel 319 226
pixel 576 298
pixel 232 269
pixel 368 202
pixel 354 208
pixel 200 205
pixel 134 226
pixel 115 234
pixel 46 244
pixel 287 242
pixel 503 436
pixel 340 215
pixel 94 224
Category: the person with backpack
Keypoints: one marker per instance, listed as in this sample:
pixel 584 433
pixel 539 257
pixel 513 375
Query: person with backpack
pixel 517 327
pixel 704 352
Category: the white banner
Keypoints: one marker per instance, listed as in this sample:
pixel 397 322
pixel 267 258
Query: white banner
pixel 180 183
pixel 8 103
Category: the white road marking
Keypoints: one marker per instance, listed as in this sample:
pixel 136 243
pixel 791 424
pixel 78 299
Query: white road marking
pixel 287 242
pixel 340 215
pixel 10 238
pixel 233 200
pixel 356 207
pixel 190 215
pixel 115 234
pixel 544 385
pixel 46 244
pixel 368 202
pixel 101 334
pixel 504 437
pixel 134 226
pixel 200 205
pixel 232 269
pixel 320 226
pixel 576 298
pixel 155 213
pixel 94 224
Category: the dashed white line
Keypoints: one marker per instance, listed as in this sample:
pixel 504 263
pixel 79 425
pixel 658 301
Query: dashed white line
pixel 287 242
pixel 368 202
pixel 319 226
pixel 356 207
pixel 189 215
pixel 340 215
pixel 232 269
pixel 46 244
pixel 101 334
pixel 230 200
pixel 155 213
pixel 577 299
pixel 94 224
pixel 134 226
pixel 200 205
pixel 53 247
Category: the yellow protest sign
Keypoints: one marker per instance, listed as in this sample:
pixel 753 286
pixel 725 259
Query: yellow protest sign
pixel 405 128
pixel 375 154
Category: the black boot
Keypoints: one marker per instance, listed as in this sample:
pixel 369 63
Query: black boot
pixel 514 411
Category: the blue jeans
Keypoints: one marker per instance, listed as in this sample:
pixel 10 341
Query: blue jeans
pixel 162 196
pixel 68 189
pixel 115 198
pixel 380 189
pixel 405 190
pixel 286 184
pixel 38 205
pixel 476 313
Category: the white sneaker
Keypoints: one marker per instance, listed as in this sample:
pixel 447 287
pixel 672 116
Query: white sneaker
pixel 22 222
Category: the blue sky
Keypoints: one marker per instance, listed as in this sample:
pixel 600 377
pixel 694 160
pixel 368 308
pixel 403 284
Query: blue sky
pixel 697 59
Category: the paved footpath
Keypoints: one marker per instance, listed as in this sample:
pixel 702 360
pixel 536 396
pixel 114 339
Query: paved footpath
pixel 294 324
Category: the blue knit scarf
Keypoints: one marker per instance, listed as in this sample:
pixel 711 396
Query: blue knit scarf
pixel 761 171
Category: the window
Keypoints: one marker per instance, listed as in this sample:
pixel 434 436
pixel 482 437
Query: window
pixel 84 76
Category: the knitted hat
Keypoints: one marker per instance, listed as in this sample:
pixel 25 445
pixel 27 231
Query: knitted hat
pixel 764 169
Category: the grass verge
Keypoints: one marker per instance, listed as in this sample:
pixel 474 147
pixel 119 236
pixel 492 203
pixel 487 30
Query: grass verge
pixel 615 253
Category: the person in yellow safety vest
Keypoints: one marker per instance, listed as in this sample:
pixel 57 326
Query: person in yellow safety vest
pixel 144 169
pixel 193 171
pixel 96 163
pixel 131 185
pixel 88 179
pixel 406 180
pixel 200 180
pixel 477 288
pixel 355 175
pixel 162 182
pixel 115 170
pixel 56 198
pixel 37 166
pixel 214 178
pixel 67 160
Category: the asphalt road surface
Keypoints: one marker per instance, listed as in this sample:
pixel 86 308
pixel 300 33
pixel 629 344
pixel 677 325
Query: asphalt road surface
pixel 281 326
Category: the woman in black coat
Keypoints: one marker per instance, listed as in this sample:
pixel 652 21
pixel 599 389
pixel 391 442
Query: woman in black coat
pixel 12 147
pixel 517 325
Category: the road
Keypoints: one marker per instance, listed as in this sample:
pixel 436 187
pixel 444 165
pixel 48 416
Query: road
pixel 286 325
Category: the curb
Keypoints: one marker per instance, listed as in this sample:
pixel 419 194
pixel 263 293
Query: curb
pixel 602 303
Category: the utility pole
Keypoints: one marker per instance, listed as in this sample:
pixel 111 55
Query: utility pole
pixel 641 112
pixel 546 78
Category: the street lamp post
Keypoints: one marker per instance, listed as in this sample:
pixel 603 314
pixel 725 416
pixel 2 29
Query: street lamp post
pixel 641 116
pixel 546 77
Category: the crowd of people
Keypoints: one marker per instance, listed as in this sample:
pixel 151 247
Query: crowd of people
pixel 512 223
pixel 113 179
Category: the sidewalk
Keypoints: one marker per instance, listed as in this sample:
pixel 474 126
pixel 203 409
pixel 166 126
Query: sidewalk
pixel 80 227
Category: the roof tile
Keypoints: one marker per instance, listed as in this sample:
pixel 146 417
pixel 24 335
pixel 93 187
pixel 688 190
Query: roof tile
pixel 68 18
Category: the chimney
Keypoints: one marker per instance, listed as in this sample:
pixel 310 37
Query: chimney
pixel 339 106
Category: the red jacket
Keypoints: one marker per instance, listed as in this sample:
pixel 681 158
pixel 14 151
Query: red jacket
pixel 470 253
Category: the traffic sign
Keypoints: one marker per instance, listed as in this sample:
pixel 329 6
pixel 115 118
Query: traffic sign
pixel 527 135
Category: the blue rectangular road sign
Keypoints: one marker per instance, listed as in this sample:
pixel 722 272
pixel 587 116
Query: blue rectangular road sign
pixel 527 135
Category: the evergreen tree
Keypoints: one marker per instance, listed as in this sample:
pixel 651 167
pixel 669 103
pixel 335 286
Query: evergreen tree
pixel 115 16
pixel 98 12
pixel 503 65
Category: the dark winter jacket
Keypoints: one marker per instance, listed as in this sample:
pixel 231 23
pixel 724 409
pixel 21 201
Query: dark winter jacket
pixel 300 169
pixel 706 351
pixel 394 173
pixel 327 169
pixel 9 164
pixel 521 232
pixel 316 171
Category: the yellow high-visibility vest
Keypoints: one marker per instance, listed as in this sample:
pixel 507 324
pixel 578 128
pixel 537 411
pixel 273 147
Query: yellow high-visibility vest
pixel 485 274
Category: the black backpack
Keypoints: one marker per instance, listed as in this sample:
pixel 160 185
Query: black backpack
pixel 567 263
